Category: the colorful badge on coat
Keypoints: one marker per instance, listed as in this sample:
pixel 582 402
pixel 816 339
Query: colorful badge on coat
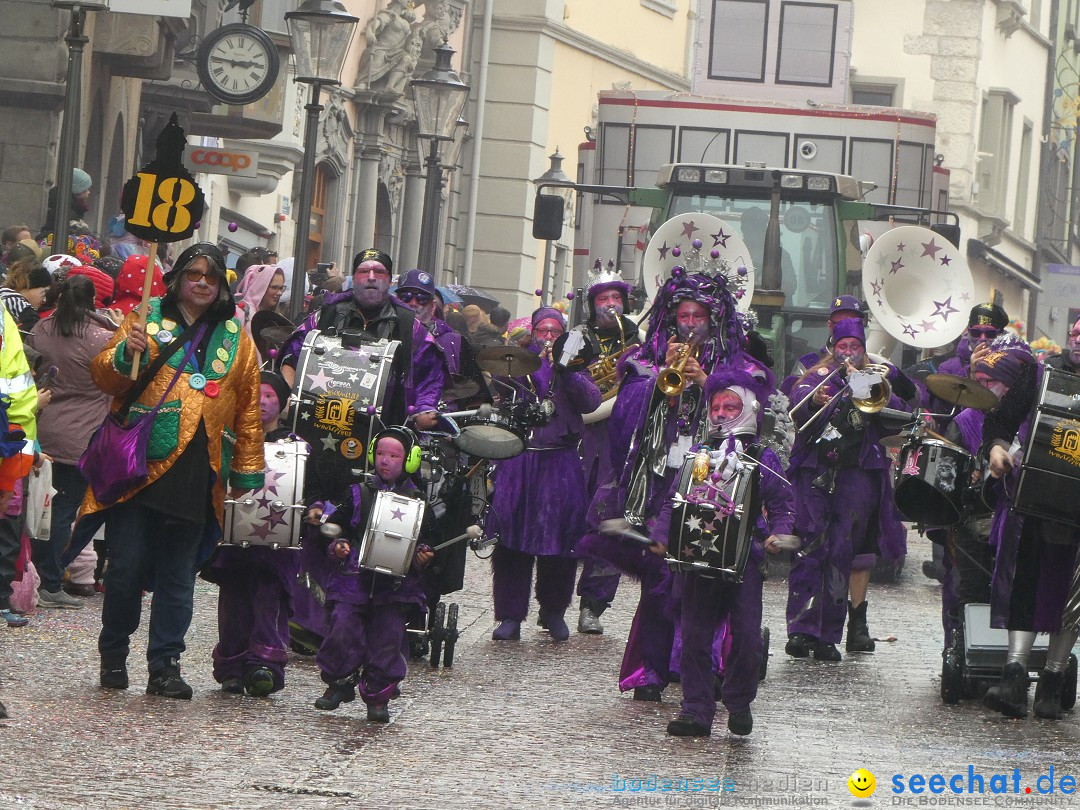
pixel 163 336
pixel 228 344
pixel 197 381
pixel 222 355
pixel 168 323
pixel 152 329
pixel 231 326
pixel 218 367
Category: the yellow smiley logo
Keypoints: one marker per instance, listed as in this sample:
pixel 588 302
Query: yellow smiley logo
pixel 862 784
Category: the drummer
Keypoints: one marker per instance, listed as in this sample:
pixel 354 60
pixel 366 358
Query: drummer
pixel 1035 558
pixel 845 506
pixel 1068 360
pixel 985 322
pixel 418 373
pixel 538 507
pixel 648 436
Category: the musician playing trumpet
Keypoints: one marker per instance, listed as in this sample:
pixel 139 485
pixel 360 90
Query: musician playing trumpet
pixel 844 501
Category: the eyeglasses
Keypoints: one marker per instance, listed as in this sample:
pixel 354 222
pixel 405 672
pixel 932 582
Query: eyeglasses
pixel 276 288
pixel 212 277
pixel 377 271
pixel 549 332
pixel 983 332
pixel 408 296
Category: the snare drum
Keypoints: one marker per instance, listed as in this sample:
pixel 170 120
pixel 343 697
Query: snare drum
pixel 335 388
pixel 707 540
pixel 393 528
pixel 496 436
pixel 931 481
pixel 274 515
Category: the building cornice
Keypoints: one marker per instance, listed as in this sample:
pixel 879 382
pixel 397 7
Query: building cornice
pixel 594 47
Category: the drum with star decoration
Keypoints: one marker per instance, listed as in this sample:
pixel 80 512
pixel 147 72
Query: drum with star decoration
pixel 274 515
pixel 390 536
pixel 712 520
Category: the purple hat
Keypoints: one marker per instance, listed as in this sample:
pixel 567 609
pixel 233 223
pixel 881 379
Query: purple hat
pixel 846 303
pixel 543 313
pixel 847 328
pixel 1008 358
pixel 419 281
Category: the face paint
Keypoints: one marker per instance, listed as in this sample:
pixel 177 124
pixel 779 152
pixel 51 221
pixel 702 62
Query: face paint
pixel 389 459
pixel 371 284
pixel 602 305
pixel 269 404
pixel 850 350
pixel 692 322
pixel 1074 344
pixel 725 406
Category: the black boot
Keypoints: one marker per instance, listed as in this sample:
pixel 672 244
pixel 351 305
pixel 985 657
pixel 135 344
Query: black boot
pixel 741 723
pixel 114 674
pixel 800 645
pixel 1048 695
pixel 824 651
pixel 1010 696
pixel 343 691
pixel 686 726
pixel 858 634
pixel 167 682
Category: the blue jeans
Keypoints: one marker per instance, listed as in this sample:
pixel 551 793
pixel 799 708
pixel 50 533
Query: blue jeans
pixel 70 489
pixel 148 549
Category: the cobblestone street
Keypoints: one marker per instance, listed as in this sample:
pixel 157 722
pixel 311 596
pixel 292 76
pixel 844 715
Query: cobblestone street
pixel 528 724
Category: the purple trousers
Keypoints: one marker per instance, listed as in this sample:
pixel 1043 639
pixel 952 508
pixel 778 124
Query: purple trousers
pixel 818 583
pixel 706 603
pixel 597 585
pixel 368 639
pixel 512 571
pixel 253 624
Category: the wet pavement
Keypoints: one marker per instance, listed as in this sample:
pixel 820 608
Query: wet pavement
pixel 513 724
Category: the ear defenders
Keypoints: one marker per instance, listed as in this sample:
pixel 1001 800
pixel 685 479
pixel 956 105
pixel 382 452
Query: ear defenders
pixel 408 441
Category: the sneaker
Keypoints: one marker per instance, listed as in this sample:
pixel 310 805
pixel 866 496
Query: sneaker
pixel 378 713
pixel 232 686
pixel 686 726
pixel 113 675
pixel 77 589
pixel 589 623
pixel 650 693
pixel 166 682
pixel 259 682
pixel 57 599
pixel 14 619
pixel 741 723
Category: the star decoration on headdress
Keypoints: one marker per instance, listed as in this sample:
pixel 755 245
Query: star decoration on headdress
pixel 397 514
pixel 320 380
pixel 965 297
pixel 720 238
pixel 928 326
pixel 663 250
pixel 876 286
pixel 882 260
pixel 910 330
pixel 930 248
pixel 896 266
pixel 945 260
pixel 901 247
pixel 688 229
pixel 944 308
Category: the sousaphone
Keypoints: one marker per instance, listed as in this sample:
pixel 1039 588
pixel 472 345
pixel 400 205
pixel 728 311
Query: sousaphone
pixel 918 286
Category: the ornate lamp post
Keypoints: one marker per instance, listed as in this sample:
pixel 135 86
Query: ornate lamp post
pixel 561 185
pixel 439 97
pixel 321 31
pixel 69 132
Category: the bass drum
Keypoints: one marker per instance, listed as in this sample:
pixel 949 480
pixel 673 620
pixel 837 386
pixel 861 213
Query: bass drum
pixel 496 436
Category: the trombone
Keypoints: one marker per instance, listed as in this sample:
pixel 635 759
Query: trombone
pixel 881 392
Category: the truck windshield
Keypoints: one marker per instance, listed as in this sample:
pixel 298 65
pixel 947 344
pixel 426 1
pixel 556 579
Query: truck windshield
pixel 809 265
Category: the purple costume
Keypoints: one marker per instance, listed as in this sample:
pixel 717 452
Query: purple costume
pixel 706 603
pixel 538 508
pixel 367 609
pixel 835 527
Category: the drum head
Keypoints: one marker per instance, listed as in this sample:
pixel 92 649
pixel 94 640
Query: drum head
pixel 489 441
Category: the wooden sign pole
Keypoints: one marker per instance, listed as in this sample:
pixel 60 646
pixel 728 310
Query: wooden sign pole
pixel 144 305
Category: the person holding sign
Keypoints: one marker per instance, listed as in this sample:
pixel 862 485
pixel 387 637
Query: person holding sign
pixel 206 433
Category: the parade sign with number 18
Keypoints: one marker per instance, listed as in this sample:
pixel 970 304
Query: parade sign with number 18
pixel 161 202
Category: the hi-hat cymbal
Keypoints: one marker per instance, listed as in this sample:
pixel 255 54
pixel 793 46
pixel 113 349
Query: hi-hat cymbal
pixel 962 391
pixel 507 360
pixel 895 442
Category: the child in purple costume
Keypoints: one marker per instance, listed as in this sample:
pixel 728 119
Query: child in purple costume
pixel 365 641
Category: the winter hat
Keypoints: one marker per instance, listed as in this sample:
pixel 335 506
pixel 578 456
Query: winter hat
pixel 849 327
pixel 80 181
pixel 38 277
pixel 1009 356
pixel 60 261
pixel 543 313
pixel 104 286
pixel 277 382
pixel 372 254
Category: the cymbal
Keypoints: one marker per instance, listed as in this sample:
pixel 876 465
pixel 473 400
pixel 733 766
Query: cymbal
pixel 895 442
pixel 508 360
pixel 961 391
pixel 461 388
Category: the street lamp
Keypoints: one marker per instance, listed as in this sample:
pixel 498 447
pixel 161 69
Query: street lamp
pixel 439 97
pixel 69 131
pixel 562 189
pixel 321 31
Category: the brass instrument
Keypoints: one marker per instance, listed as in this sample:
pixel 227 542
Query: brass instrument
pixel 604 371
pixel 880 393
pixel 671 381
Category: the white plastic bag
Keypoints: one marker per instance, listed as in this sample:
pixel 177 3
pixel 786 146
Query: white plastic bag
pixel 39 495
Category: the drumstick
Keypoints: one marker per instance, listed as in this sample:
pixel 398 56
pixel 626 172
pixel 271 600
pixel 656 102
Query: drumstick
pixel 144 305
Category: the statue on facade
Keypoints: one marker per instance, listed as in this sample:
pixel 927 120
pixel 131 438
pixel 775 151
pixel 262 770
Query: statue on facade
pixel 388 49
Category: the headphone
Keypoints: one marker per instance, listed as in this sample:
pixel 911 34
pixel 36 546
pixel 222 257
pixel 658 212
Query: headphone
pixel 408 441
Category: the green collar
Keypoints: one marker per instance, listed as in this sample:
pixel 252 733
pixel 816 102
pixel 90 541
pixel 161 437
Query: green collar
pixel 220 351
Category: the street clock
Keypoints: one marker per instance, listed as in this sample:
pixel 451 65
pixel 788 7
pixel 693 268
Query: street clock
pixel 238 63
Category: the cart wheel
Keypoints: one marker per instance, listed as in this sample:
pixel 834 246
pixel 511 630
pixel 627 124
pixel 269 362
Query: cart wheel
pixel 437 632
pixel 1068 691
pixel 764 654
pixel 451 635
pixel 953 686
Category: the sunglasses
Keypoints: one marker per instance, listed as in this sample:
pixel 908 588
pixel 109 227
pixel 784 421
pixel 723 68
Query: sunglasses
pixel 408 296
pixel 983 332
pixel 211 277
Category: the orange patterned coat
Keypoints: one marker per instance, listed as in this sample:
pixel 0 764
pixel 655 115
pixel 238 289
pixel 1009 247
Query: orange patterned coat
pixel 228 404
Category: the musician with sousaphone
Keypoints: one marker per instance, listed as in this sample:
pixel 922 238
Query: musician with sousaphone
pixel 1035 555
pixel 538 506
pixel 843 491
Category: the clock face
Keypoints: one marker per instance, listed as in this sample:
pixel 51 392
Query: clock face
pixel 238 63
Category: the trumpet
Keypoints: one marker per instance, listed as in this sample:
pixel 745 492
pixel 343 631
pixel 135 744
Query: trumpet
pixel 671 381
